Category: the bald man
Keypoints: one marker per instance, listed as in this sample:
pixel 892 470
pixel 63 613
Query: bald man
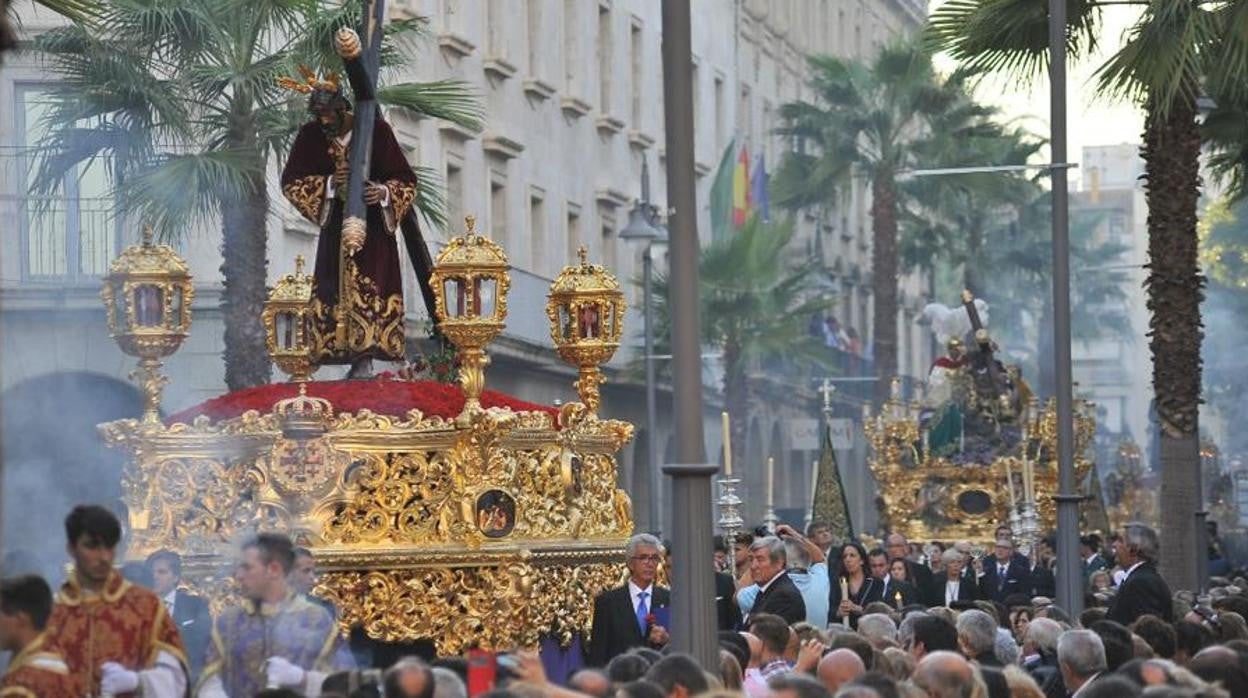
pixel 838 668
pixel 944 675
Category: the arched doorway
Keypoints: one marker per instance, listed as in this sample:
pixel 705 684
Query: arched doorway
pixel 54 458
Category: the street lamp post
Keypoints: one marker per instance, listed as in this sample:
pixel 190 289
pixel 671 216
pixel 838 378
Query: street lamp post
pixel 645 225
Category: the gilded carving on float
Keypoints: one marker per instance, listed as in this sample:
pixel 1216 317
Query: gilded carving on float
pixel 975 450
pixel 495 522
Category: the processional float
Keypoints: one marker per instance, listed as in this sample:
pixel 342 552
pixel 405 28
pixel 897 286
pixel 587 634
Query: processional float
pixel 457 516
pixel 977 449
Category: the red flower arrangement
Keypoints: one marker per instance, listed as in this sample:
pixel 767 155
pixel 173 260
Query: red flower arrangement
pixel 385 395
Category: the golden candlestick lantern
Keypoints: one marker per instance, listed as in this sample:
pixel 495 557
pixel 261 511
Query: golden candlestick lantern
pixel 586 311
pixel 287 319
pixel 147 295
pixel 470 284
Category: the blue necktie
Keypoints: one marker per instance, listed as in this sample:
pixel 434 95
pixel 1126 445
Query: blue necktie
pixel 642 611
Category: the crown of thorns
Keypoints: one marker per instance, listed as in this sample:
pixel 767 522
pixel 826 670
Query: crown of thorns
pixel 311 82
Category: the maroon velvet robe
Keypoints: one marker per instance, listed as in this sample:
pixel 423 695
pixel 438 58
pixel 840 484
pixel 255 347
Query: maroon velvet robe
pixel 374 313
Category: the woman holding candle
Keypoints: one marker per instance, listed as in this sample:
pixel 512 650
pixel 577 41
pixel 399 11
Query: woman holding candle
pixel 855 589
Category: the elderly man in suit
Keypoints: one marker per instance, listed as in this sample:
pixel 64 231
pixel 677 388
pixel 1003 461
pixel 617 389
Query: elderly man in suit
pixel 624 617
pixel 189 612
pixel 777 594
pixel 1143 591
pixel 1004 574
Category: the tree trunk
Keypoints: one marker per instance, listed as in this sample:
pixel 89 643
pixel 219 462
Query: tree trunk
pixel 1171 154
pixel 244 252
pixel 884 279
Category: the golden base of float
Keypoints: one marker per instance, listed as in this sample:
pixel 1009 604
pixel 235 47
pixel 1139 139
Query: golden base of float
pixel 965 496
pixel 448 518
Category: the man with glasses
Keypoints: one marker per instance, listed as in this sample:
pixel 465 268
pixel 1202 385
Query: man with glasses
pixel 628 616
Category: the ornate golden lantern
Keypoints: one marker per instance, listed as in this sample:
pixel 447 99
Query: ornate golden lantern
pixel 470 283
pixel 147 295
pixel 286 317
pixel 586 311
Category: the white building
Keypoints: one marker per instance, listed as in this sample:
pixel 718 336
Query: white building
pixel 572 90
pixel 1116 372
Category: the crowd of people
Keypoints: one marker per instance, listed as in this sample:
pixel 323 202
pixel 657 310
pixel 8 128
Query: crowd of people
pixel 800 616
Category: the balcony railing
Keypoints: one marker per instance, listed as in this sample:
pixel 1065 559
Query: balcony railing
pixel 62 239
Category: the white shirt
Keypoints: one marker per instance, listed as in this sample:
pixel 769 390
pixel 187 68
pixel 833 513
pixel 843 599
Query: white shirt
pixel 951 591
pixel 634 593
pixel 170 599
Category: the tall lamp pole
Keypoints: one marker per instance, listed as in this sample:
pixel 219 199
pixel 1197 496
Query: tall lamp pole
pixel 1069 578
pixel 645 224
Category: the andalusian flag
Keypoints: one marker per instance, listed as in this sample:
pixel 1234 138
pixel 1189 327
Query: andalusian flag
pixel 722 193
pixel 741 189
pixel 830 505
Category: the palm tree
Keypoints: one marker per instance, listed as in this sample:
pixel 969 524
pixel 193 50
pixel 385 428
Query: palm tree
pixel 179 98
pixel 866 120
pixel 957 219
pixel 1175 49
pixel 756 306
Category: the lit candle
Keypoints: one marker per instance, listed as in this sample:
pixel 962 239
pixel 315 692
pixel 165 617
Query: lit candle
pixel 771 470
pixel 727 445
pixel 814 479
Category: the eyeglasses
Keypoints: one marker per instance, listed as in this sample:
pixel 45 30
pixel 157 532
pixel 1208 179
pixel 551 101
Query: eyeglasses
pixel 652 559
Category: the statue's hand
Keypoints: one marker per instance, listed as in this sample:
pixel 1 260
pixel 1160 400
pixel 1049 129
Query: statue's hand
pixel 374 193
pixel 341 170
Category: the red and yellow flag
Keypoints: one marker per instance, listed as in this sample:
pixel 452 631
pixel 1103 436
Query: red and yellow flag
pixel 741 188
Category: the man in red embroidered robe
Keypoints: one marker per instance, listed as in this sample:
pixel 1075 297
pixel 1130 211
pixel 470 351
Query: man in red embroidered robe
pixel 367 323
pixel 37 669
pixel 116 637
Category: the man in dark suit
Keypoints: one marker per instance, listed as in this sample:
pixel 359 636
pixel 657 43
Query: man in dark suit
pixel 1090 553
pixel 919 576
pixel 1143 591
pixel 624 617
pixel 895 593
pixel 727 615
pixel 189 612
pixel 777 594
pixel 955 586
pixel 1004 574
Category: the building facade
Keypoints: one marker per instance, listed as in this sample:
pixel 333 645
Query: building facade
pixel 1115 372
pixel 573 96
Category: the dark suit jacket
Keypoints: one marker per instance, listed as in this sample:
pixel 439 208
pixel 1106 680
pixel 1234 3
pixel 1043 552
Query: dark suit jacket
pixel 1042 582
pixel 615 629
pixel 194 622
pixel 924 582
pixel 1098 563
pixel 1143 591
pixel 727 614
pixel 1017 580
pixel 967 591
pixel 890 589
pixel 781 598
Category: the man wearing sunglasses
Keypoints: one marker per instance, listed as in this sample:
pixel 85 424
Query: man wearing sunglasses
pixel 628 616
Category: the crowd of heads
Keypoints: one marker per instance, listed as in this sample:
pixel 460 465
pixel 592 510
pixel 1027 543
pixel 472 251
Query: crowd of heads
pixel 1024 646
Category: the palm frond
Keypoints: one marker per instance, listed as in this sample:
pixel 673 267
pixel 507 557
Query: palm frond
pixel 452 100
pixel 1009 36
pixel 182 190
